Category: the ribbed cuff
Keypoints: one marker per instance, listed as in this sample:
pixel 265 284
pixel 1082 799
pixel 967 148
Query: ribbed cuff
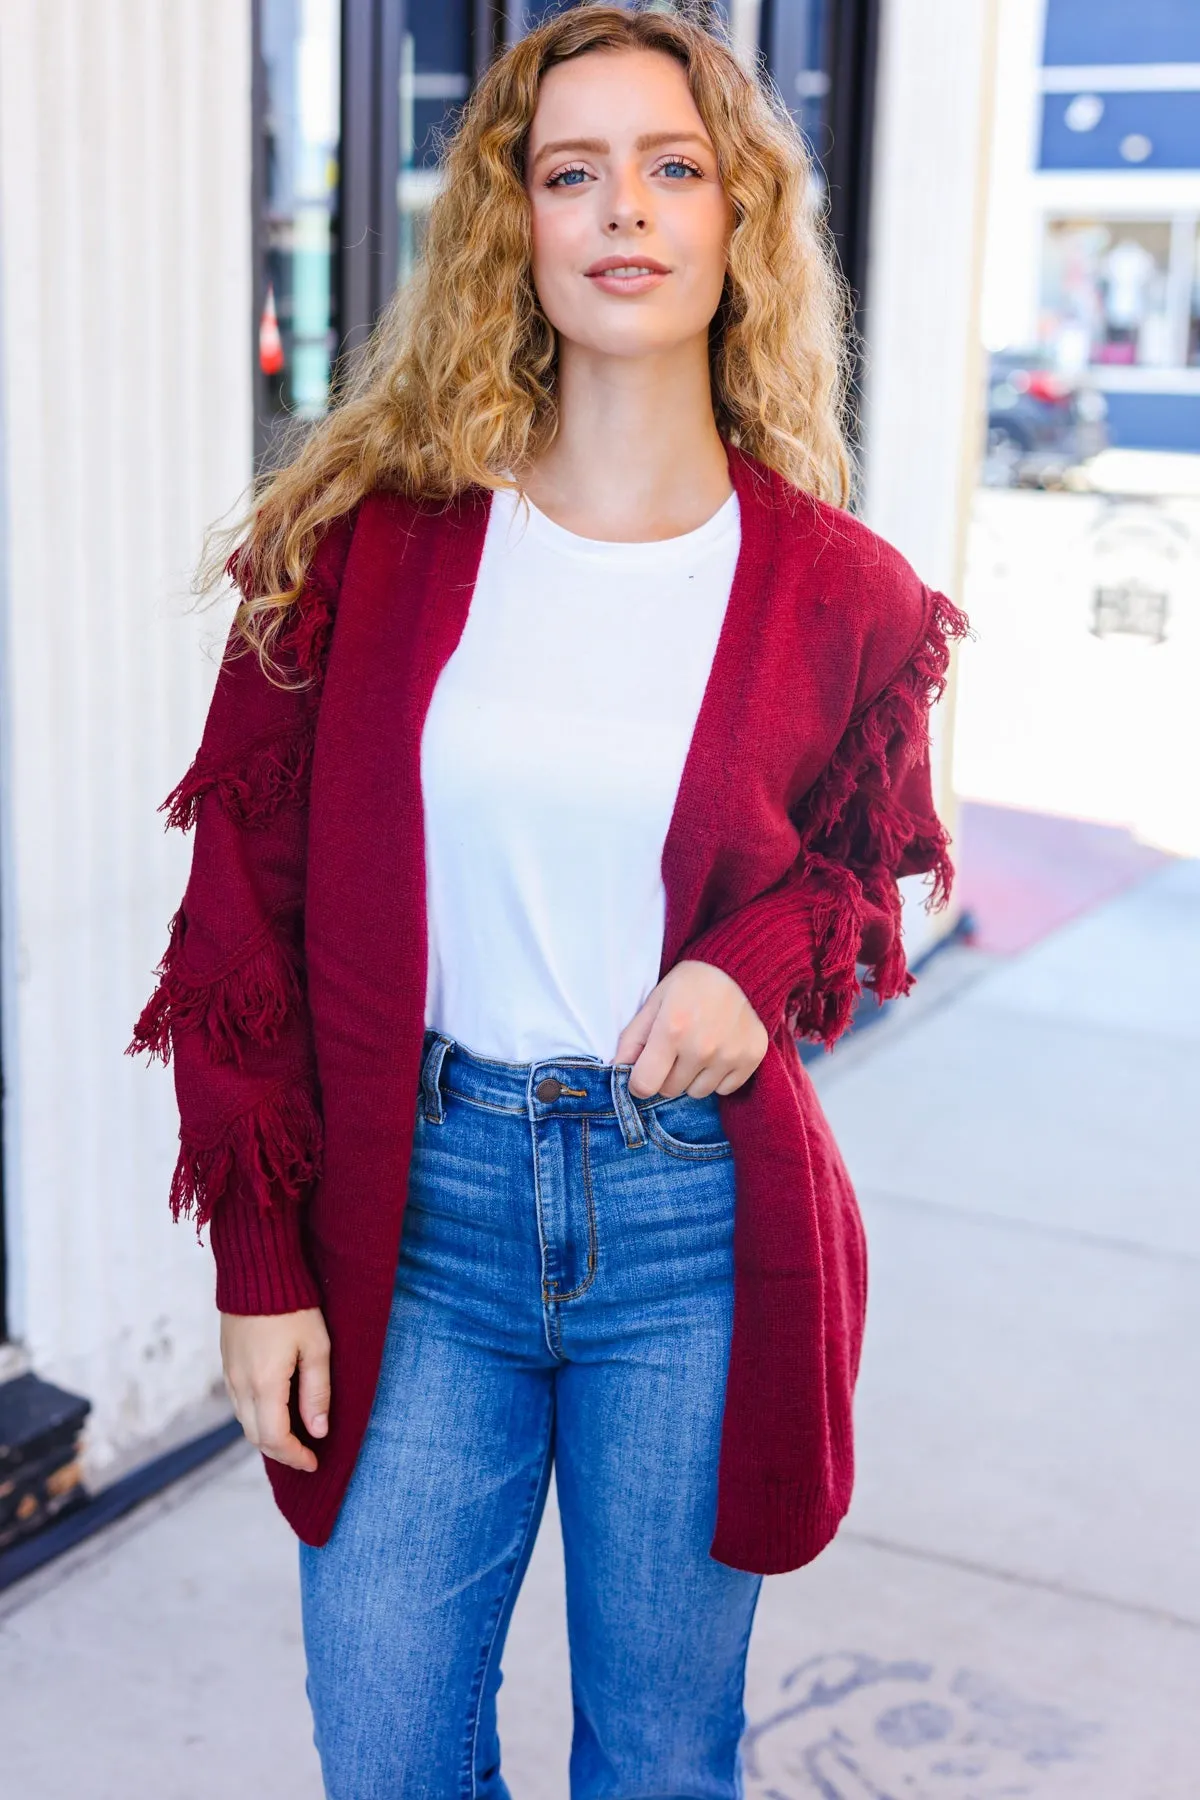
pixel 771 1527
pixel 765 946
pixel 259 1253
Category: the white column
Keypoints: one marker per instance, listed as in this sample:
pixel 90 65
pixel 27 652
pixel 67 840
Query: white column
pixel 924 378
pixel 125 230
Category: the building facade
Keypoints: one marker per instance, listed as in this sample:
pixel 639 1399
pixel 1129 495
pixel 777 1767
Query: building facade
pixel 1094 257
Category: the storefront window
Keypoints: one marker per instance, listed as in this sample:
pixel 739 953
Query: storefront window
pixel 795 37
pixel 299 122
pixel 435 79
pixel 1109 294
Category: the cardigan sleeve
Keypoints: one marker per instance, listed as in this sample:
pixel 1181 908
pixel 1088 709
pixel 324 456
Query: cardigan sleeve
pixel 869 819
pixel 230 1005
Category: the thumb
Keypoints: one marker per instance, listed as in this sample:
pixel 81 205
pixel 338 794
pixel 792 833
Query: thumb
pixel 633 1038
pixel 314 1389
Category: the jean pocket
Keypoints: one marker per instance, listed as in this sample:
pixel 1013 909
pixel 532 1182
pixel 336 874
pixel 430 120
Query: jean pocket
pixel 688 1127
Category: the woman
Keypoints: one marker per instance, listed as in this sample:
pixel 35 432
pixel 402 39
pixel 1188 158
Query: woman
pixel 568 746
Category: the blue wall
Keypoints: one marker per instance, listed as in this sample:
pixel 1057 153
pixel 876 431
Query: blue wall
pixel 1154 421
pixel 1122 31
pixel 1171 121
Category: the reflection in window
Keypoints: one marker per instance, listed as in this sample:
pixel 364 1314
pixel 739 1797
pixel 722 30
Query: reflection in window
pixel 297 277
pixel 795 36
pixel 435 64
pixel 1111 292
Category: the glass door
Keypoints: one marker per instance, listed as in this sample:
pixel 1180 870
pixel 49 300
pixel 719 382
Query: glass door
pixel 296 174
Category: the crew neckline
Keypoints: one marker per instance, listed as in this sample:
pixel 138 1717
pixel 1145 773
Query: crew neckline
pixel 539 527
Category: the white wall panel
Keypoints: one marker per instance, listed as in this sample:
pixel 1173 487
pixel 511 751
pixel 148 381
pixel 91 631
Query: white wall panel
pixel 124 245
pixel 924 379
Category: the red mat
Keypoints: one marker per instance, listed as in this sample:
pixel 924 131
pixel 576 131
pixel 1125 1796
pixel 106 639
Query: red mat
pixel 1022 874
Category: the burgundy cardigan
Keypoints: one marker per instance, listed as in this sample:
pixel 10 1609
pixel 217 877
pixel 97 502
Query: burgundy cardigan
pixel 292 989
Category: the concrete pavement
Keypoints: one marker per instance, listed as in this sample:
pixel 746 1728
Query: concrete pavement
pixel 1013 1607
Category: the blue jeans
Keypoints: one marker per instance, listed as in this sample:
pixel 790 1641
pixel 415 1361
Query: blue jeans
pixel 564 1297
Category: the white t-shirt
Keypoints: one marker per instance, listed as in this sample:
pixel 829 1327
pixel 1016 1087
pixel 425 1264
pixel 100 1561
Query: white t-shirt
pixel 551 758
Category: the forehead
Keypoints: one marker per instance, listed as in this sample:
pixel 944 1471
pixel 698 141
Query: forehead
pixel 614 94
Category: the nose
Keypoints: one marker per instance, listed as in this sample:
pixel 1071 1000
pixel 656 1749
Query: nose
pixel 628 206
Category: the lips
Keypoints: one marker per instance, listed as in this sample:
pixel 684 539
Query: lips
pixel 627 276
pixel 640 265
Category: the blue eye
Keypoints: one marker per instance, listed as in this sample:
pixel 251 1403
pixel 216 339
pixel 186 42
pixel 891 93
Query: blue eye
pixel 565 178
pixel 677 162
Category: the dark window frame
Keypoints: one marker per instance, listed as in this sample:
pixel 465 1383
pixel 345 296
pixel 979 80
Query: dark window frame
pixel 366 224
pixel 850 55
pixel 368 238
pixel 258 191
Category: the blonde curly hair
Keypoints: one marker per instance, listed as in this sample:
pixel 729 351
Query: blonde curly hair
pixel 456 384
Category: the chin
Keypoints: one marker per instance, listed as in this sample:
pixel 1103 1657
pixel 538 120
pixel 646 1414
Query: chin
pixel 636 338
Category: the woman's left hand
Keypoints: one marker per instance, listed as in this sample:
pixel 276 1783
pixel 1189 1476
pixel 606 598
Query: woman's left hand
pixel 696 1033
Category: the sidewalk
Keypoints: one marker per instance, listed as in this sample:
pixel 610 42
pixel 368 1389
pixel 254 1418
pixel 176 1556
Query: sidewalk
pixel 1013 1607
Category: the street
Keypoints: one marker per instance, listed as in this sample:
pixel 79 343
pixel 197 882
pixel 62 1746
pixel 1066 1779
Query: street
pixel 1013 1607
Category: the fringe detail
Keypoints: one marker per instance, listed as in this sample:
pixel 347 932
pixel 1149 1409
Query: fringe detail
pixel 308 628
pixel 934 849
pixel 275 770
pixel 824 1007
pixel 308 632
pixel 247 1002
pixel 853 797
pixel 858 835
pixel 275 1148
pixel 252 793
pixel 889 978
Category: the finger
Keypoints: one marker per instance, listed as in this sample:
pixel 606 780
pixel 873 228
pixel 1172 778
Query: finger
pixel 669 1061
pixel 654 1065
pixel 632 1040
pixel 275 1436
pixel 694 1066
pixel 314 1389
pixel 734 1080
pixel 711 1078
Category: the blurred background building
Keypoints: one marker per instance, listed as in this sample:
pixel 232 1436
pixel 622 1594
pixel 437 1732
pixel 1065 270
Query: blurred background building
pixel 1094 229
pixel 202 204
pixel 1074 704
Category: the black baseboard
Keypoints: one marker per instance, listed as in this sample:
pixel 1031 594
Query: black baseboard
pixel 93 1511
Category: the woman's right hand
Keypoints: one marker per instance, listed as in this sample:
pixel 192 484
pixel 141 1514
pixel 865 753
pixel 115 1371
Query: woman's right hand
pixel 259 1354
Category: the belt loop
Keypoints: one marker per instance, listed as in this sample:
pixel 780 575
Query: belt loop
pixel 431 1077
pixel 632 1129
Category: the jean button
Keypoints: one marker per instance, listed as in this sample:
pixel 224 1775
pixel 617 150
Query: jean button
pixel 549 1088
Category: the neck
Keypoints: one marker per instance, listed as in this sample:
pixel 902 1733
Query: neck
pixel 637 455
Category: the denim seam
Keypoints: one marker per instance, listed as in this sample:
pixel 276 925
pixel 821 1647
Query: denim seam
pixel 632 1122
pixel 686 1152
pixel 483 1105
pixel 543 1285
pixel 737 1681
pixel 499 1062
pixel 431 1079
pixel 589 1201
pixel 471 1789
pixel 593 1112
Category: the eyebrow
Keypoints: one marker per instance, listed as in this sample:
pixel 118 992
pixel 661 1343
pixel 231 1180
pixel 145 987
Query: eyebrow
pixel 650 140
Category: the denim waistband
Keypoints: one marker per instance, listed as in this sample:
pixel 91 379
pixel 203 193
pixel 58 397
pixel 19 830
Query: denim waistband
pixel 552 1086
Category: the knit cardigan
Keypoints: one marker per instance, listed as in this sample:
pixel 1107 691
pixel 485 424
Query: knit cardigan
pixel 291 992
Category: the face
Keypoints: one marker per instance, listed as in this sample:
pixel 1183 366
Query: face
pixel 630 222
